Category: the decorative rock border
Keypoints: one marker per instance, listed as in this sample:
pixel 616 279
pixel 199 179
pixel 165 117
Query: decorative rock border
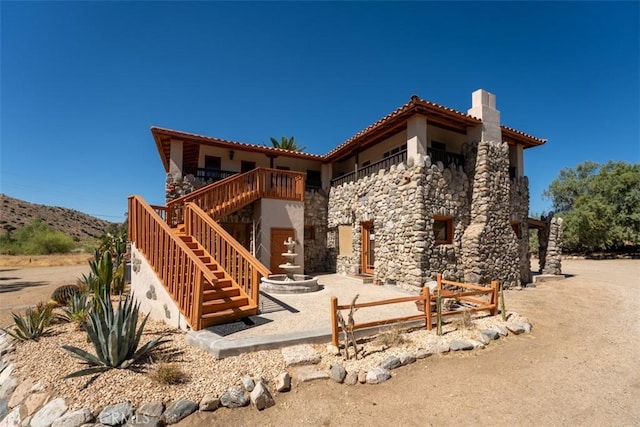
pixel 28 404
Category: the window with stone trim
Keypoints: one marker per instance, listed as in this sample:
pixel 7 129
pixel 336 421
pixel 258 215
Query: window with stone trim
pixel 443 229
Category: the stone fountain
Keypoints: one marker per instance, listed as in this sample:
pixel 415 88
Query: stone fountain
pixel 289 283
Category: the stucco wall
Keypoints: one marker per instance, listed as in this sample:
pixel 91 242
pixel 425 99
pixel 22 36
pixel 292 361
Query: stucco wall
pixel 280 214
pixel 147 289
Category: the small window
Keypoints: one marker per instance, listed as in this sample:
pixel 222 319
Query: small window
pixel 443 230
pixel 386 154
pixel 283 168
pixel 309 232
pixel 365 164
pixel 247 166
pixel 517 229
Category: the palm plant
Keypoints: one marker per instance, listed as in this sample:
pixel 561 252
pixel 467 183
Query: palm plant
pixel 33 324
pixel 286 144
pixel 115 337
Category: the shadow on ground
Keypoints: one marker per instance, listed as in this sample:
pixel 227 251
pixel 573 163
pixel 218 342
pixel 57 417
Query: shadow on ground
pixel 17 286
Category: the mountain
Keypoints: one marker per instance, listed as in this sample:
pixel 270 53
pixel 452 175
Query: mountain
pixel 15 213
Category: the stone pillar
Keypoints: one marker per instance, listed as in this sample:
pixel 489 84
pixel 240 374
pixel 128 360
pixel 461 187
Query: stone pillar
pixel 416 139
pixel 550 260
pixel 489 246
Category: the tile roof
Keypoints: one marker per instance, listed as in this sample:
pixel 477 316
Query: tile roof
pixel 433 112
pixel 415 103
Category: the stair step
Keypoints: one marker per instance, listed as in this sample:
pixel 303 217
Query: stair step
pixel 224 316
pixel 216 293
pixel 220 305
pixel 223 283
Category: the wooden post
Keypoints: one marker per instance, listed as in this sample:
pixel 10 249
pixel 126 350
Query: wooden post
pixel 334 321
pixel 427 307
pixel 494 298
pixel 197 301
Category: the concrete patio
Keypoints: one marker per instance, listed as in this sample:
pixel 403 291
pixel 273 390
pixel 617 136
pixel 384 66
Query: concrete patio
pixel 288 319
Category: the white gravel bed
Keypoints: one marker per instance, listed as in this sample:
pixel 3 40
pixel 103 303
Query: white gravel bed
pixel 45 361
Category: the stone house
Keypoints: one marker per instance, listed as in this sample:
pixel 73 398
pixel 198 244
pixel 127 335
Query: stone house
pixel 424 190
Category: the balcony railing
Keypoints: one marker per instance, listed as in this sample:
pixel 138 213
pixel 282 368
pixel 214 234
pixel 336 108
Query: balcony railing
pixel 445 157
pixel 212 175
pixel 372 168
pixel 215 175
pixel 436 156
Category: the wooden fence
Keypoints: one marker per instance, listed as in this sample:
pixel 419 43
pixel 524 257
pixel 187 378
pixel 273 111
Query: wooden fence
pixel 425 303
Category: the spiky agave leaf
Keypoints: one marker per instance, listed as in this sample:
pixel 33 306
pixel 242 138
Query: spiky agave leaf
pixel 115 336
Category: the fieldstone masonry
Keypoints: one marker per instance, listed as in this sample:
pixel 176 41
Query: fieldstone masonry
pixel 550 250
pixel 315 244
pixel 490 249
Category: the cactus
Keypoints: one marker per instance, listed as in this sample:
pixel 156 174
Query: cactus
pixel 63 294
pixel 33 324
pixel 114 337
pixel 503 309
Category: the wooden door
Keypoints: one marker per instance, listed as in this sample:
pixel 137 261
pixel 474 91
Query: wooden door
pixel 368 247
pixel 278 237
pixel 241 231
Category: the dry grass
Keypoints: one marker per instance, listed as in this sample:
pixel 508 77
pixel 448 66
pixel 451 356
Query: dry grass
pixel 167 373
pixel 43 260
pixel 390 338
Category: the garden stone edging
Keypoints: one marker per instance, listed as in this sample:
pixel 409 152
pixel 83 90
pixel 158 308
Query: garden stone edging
pixel 27 403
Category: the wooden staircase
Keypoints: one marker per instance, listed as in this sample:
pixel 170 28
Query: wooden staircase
pixel 224 300
pixel 210 276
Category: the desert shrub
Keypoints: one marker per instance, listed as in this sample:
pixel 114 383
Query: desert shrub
pixel 390 338
pixel 36 238
pixel 167 373
pixel 33 324
pixel 115 337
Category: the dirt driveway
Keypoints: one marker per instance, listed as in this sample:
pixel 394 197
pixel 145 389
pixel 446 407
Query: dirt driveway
pixel 24 287
pixel 579 366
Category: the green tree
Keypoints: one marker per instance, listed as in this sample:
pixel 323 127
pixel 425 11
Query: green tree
pixel 36 238
pixel 286 144
pixel 600 205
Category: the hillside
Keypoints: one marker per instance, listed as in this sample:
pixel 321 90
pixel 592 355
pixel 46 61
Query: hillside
pixel 15 213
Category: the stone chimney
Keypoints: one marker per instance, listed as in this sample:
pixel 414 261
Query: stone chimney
pixel 483 106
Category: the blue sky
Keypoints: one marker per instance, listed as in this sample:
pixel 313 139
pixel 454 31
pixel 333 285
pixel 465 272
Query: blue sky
pixel 82 82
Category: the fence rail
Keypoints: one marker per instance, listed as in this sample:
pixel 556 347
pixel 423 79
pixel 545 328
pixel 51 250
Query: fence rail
pixel 424 301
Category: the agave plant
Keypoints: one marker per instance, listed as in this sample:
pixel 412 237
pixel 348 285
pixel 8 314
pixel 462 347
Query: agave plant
pixel 33 324
pixel 102 272
pixel 77 310
pixel 114 336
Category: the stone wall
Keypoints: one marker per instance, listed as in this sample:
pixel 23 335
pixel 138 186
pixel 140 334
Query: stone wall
pixel 176 187
pixel 490 248
pixel 316 258
pixel 519 204
pixel 401 204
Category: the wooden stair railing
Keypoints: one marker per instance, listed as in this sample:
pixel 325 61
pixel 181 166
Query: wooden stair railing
pixel 230 194
pixel 235 260
pixel 183 274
